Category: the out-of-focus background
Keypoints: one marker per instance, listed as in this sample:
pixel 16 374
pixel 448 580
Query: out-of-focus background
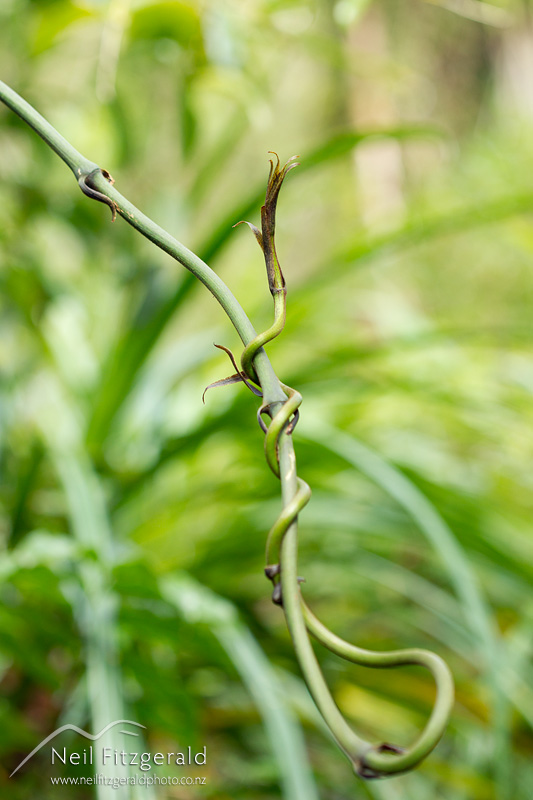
pixel 134 517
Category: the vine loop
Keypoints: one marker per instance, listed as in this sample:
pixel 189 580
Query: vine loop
pixel 369 760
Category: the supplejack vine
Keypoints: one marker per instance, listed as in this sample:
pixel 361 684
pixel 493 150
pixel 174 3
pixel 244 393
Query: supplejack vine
pixel 280 404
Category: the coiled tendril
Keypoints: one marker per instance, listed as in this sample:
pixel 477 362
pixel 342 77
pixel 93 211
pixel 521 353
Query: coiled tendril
pixel 369 760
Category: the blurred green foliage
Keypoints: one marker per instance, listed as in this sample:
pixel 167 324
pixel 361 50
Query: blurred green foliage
pixel 133 518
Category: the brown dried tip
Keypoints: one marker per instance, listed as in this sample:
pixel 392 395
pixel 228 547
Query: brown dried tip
pixel 275 179
pixel 271 570
pixel 239 376
pixel 256 232
pixel 107 175
pixel 265 236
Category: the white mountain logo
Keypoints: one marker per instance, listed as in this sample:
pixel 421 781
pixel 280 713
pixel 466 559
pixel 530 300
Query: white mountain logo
pixel 75 728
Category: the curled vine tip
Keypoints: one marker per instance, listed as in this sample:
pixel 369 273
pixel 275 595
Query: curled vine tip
pixel 276 281
pixel 86 184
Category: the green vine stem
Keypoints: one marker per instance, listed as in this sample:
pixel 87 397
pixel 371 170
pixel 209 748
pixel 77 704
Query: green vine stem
pixel 281 404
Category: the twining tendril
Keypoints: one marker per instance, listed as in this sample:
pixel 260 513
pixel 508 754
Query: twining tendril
pixel 369 760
